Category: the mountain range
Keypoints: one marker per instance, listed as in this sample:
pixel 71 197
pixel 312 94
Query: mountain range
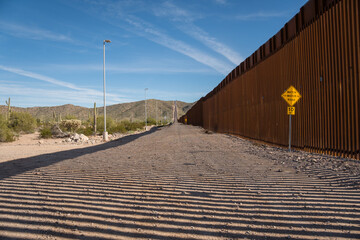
pixel 133 111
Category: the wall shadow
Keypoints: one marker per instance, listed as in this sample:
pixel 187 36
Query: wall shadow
pixel 17 166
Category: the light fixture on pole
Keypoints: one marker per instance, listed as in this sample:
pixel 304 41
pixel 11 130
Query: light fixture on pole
pixel 105 133
pixel 145 110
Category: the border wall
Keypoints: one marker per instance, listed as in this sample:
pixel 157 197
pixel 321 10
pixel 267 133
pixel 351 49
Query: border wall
pixel 318 53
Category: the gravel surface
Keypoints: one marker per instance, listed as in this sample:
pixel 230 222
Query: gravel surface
pixel 179 182
pixel 342 171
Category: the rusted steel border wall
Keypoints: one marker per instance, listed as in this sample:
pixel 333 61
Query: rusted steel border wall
pixel 318 53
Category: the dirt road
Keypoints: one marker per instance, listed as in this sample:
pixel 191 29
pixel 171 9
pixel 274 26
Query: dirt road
pixel 179 182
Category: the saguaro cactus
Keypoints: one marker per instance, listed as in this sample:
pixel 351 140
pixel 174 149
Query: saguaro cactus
pixel 9 108
pixel 94 118
pixel 54 116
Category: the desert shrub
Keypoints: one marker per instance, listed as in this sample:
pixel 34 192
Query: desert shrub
pixel 163 123
pixel 6 134
pixel 151 121
pixel 117 128
pixel 39 123
pixel 22 122
pixel 45 132
pixel 88 131
pixel 70 117
pixel 88 123
pixel 100 124
pixel 70 125
pixel 133 126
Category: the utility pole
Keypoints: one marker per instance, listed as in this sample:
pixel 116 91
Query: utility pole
pixel 145 110
pixel 156 111
pixel 105 133
pixel 94 118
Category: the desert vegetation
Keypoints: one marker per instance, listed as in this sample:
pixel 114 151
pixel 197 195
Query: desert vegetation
pixel 16 123
pixel 132 111
pixel 6 134
pixel 21 123
pixel 58 122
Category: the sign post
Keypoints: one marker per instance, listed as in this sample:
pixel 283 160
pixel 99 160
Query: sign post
pixel 291 96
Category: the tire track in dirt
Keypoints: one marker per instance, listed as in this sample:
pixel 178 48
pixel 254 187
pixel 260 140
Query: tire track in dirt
pixel 175 183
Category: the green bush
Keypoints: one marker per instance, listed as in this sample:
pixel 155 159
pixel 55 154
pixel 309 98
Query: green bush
pixel 70 125
pixel 22 122
pixel 45 132
pixel 151 121
pixel 88 131
pixel 118 128
pixel 39 123
pixel 6 134
pixel 110 123
pixel 70 117
pixel 133 126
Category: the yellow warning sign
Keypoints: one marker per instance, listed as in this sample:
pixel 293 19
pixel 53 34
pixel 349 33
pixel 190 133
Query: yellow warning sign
pixel 291 111
pixel 185 119
pixel 291 96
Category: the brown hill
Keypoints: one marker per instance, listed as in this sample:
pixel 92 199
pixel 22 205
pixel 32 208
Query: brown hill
pixel 134 111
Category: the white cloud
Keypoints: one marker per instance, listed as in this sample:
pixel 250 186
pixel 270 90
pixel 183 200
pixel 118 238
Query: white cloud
pixel 73 94
pixel 168 9
pixel 78 91
pixel 32 32
pixel 212 43
pixel 260 15
pixel 139 66
pixel 39 77
pixel 185 24
pixel 150 32
pixel 22 96
pixel 118 15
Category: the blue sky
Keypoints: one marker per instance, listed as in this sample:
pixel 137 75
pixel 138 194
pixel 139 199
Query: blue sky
pixel 51 51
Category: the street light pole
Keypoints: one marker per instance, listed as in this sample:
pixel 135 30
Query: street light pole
pixel 156 111
pixel 105 133
pixel 145 110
